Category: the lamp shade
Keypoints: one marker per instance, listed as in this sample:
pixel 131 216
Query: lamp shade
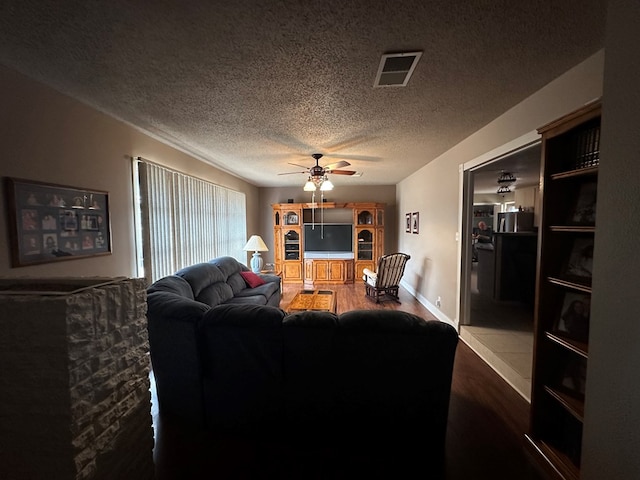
pixel 256 244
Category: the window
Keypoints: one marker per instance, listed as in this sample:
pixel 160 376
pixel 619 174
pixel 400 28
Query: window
pixel 183 220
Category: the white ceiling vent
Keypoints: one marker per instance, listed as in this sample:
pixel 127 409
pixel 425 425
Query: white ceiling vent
pixel 396 68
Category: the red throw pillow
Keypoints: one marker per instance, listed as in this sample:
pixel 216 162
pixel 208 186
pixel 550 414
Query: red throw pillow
pixel 252 279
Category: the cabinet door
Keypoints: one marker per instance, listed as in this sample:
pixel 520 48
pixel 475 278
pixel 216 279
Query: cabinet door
pixel 364 243
pixel 291 216
pixel 292 261
pixel 336 271
pixel 360 266
pixel 364 216
pixel 320 270
pixel 292 271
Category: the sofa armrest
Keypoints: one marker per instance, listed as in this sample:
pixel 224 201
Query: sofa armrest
pixel 172 321
pixel 168 305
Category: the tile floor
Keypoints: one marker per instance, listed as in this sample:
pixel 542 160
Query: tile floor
pixel 502 334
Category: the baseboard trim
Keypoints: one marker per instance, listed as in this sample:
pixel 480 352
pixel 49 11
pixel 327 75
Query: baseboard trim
pixel 435 311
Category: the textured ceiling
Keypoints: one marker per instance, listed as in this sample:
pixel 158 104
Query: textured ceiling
pixel 252 85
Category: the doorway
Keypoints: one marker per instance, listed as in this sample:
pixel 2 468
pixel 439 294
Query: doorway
pixel 498 283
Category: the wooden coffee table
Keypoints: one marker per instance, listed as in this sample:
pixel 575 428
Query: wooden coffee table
pixel 313 300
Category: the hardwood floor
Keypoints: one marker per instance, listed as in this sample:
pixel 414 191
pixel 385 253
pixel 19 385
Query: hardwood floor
pixel 485 435
pixel 352 297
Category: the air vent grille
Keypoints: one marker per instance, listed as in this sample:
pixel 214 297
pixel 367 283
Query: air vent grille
pixel 396 68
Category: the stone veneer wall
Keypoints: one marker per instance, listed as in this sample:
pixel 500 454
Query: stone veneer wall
pixel 74 383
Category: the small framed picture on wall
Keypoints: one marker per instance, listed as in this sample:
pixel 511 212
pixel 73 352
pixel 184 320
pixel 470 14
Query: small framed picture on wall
pixel 415 222
pixel 407 227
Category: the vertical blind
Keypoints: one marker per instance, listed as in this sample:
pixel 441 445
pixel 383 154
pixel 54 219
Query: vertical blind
pixel 186 220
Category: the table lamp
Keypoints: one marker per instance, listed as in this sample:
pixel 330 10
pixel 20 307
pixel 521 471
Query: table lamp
pixel 257 245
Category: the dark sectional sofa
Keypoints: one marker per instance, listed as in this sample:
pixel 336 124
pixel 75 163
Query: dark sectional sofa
pixel 364 381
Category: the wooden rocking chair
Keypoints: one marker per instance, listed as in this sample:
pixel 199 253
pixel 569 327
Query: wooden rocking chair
pixel 385 281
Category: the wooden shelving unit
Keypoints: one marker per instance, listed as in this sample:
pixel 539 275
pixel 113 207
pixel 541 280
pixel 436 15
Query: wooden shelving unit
pixel 570 159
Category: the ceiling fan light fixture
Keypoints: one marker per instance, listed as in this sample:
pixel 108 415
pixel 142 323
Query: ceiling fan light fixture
pixel 326 184
pixel 317 175
pixel 504 189
pixel 309 186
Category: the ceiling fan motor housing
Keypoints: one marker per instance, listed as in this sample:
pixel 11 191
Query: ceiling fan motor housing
pixel 317 170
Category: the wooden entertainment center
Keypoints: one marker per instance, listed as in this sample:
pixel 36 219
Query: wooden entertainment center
pixel 367 220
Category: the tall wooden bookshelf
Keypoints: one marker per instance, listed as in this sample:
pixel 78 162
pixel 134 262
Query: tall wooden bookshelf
pixel 570 159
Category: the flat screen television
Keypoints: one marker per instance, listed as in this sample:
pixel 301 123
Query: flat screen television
pixel 328 237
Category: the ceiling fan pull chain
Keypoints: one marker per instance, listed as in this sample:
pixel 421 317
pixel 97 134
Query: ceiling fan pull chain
pixel 322 214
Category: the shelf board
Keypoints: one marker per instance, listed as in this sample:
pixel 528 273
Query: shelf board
pixel 570 284
pixel 574 406
pixel 573 228
pixel 575 346
pixel 575 173
pixel 555 460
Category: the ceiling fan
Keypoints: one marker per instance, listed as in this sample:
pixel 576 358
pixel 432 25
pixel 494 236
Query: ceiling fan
pixel 318 175
pixel 318 171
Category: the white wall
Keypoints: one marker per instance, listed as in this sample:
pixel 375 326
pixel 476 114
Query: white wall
pixel 46 136
pixel 434 190
pixel 611 437
pixel 526 198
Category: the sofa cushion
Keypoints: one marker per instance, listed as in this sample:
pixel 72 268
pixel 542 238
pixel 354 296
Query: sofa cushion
pixel 382 321
pixel 215 294
pixel 227 265
pixel 253 280
pixel 200 276
pixel 386 361
pixel 309 373
pixel 230 269
pixel 241 355
pixel 247 300
pixel 267 289
pixel 236 282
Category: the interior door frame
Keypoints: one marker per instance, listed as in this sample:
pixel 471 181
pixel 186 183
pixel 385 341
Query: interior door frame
pixel 465 220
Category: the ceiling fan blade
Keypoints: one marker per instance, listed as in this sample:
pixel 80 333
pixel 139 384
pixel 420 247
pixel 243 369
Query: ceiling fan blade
pixel 342 172
pixel 289 173
pixel 340 164
pixel 295 164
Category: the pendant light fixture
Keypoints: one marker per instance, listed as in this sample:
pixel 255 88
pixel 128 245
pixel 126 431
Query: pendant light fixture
pixel 505 180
